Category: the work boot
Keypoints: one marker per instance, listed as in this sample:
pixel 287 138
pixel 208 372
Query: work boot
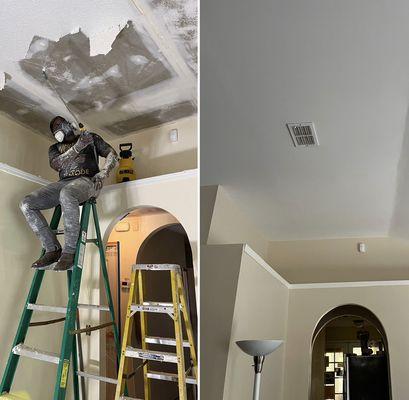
pixel 65 262
pixel 50 257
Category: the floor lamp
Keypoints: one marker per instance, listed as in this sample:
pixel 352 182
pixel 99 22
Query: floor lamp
pixel 258 349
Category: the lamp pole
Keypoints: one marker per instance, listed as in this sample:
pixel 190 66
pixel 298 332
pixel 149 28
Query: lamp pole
pixel 258 349
pixel 258 367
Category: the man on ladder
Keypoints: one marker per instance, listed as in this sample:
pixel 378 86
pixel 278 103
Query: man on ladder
pixel 75 158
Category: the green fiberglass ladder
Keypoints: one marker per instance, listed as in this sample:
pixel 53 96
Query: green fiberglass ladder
pixel 177 309
pixel 72 330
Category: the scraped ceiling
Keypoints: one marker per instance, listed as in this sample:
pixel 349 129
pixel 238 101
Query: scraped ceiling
pixel 120 66
pixel 343 65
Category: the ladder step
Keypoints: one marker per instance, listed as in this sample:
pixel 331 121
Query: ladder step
pixel 166 376
pixel 153 308
pixel 26 351
pixel 151 355
pixel 156 267
pixel 164 341
pixel 63 310
pixel 128 398
pixel 97 377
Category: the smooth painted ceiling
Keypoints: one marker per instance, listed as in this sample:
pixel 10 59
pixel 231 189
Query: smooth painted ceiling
pixel 343 65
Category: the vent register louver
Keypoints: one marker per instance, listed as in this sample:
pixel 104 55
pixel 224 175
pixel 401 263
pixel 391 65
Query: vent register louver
pixel 303 134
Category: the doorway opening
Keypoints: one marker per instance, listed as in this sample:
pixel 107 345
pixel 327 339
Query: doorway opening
pixel 350 356
pixel 146 235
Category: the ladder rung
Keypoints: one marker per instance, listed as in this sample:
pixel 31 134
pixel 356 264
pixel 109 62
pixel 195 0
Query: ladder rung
pixel 95 241
pixel 156 267
pixel 158 303
pixel 97 377
pixel 128 398
pixel 153 308
pixel 151 355
pixel 63 310
pixel 167 376
pixel 164 341
pixel 26 351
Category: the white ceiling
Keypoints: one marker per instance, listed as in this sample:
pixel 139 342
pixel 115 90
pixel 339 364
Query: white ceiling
pixel 160 39
pixel 343 65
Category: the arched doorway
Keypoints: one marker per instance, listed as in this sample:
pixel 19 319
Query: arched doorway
pixel 146 235
pixel 350 356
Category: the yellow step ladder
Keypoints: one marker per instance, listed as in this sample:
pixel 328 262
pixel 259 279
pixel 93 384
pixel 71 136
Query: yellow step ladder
pixel 176 309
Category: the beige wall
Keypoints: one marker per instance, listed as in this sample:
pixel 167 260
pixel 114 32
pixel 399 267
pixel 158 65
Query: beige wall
pixel 260 312
pixel 337 260
pixel 307 261
pixel 156 155
pixel 23 149
pixel 141 225
pixel 220 268
pixel 208 196
pixel 176 195
pixel 240 300
pixel 303 261
pixel 229 224
pixel 19 248
pixel 29 152
pixel 307 306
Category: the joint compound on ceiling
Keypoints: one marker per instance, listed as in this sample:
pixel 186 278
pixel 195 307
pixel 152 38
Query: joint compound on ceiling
pixel 123 77
pixel 156 97
pixel 164 41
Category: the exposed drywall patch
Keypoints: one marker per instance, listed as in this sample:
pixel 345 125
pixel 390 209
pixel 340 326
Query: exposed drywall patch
pixel 87 81
pixel 154 118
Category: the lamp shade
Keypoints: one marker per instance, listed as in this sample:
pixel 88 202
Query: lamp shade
pixel 259 347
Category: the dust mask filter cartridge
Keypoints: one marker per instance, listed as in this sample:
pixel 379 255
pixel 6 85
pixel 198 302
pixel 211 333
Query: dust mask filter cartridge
pixel 59 136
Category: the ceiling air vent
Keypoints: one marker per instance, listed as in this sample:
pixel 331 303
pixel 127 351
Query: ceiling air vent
pixel 303 134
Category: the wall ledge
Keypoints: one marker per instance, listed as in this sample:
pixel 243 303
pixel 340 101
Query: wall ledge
pixel 152 180
pixel 8 169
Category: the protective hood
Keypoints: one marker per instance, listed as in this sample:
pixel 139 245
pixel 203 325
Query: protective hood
pixel 62 130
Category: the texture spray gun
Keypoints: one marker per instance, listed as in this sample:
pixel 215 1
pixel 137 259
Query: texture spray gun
pixel 125 170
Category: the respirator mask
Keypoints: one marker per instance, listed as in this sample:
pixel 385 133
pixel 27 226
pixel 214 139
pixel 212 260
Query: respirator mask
pixel 64 132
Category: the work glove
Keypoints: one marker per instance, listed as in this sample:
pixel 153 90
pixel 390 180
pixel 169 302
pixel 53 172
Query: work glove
pixel 98 180
pixel 83 141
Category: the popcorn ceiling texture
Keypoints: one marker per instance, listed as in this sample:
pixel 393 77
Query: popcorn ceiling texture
pixel 124 86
